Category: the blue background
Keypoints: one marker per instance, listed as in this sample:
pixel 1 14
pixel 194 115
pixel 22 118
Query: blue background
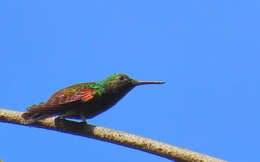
pixel 206 51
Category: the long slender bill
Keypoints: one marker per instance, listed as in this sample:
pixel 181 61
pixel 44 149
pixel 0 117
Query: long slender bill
pixel 149 82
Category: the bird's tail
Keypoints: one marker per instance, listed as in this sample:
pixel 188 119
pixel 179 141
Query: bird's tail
pixel 36 112
pixel 31 117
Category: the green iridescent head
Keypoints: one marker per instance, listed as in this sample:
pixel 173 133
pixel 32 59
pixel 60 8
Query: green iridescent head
pixel 120 81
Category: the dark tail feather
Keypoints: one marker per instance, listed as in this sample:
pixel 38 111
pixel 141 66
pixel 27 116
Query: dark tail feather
pixel 27 115
pixel 32 117
pixel 37 112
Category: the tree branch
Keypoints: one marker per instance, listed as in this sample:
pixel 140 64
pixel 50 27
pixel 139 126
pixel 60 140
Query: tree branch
pixel 109 135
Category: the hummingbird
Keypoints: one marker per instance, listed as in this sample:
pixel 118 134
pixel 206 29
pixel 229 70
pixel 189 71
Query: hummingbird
pixel 84 100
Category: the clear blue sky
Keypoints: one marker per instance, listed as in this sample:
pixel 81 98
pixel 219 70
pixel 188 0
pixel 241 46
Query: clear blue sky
pixel 208 52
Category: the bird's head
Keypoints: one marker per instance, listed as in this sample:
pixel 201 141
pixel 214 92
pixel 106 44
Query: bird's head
pixel 119 82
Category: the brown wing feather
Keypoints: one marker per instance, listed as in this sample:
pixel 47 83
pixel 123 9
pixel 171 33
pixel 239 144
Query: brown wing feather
pixel 65 96
pixel 58 101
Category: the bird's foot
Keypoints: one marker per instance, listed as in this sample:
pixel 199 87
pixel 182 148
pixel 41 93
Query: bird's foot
pixel 60 118
pixel 84 122
pixel 83 119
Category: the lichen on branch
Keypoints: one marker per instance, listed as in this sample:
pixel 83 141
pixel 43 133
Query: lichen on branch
pixel 112 136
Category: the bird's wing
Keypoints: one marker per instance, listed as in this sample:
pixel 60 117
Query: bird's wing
pixel 69 95
pixel 64 97
pixel 61 100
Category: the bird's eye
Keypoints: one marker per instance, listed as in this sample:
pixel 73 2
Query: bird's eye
pixel 120 77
